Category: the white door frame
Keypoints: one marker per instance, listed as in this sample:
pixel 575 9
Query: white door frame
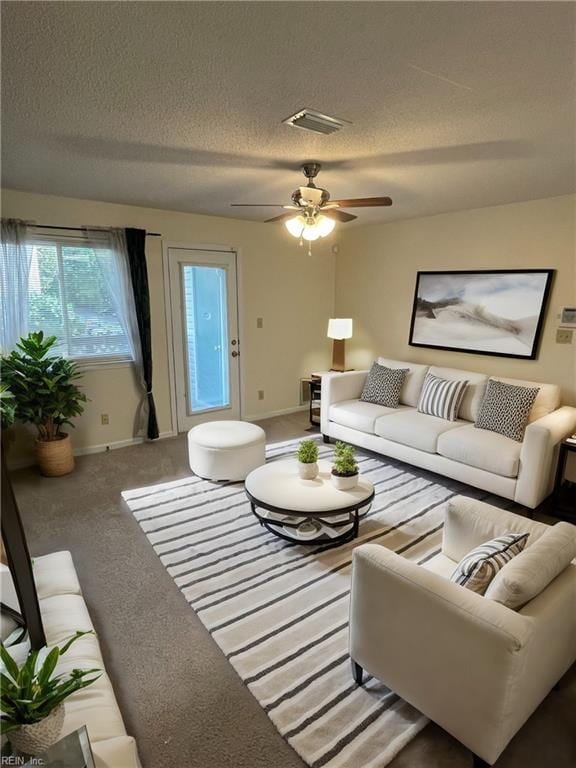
pixel 168 315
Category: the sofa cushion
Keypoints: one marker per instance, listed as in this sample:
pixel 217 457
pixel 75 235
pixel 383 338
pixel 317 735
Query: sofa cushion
pixel 111 753
pixel 441 565
pixel 478 568
pixel 469 522
pixel 413 382
pixel 54 574
pixel 62 615
pixel 505 409
pixel 482 449
pixel 442 397
pixel 417 430
pixel 359 415
pixel 547 399
pixel 474 391
pixel 530 573
pixel 383 385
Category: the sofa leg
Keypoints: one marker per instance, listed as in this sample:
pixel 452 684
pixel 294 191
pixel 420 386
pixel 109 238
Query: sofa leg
pixel 325 438
pixel 479 763
pixel 357 672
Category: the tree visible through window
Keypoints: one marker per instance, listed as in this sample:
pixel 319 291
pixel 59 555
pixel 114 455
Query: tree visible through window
pixel 71 296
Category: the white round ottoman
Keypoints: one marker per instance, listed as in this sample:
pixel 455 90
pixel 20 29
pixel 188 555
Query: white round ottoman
pixel 226 450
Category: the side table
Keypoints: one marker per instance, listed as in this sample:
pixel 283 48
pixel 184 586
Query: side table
pixel 564 498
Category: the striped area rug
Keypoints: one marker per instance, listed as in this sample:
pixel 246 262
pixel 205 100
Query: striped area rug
pixel 279 611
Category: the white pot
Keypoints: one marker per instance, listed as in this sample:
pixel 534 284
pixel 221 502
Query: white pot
pixel 308 471
pixel 36 738
pixel 344 483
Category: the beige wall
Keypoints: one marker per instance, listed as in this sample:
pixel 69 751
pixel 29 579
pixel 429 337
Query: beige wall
pixel 292 292
pixel 376 273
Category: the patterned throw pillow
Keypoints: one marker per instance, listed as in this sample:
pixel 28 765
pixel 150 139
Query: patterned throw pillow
pixel 477 569
pixel 441 397
pixel 506 408
pixel 383 385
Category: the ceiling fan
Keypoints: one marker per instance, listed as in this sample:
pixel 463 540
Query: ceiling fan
pixel 316 213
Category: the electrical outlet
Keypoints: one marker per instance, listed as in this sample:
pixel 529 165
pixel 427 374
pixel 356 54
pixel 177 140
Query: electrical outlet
pixel 260 394
pixel 104 419
pixel 564 336
pixel 260 324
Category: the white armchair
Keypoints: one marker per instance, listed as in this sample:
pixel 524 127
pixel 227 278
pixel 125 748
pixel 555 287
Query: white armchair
pixel 472 665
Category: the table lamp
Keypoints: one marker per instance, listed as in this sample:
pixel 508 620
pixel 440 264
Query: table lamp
pixel 339 328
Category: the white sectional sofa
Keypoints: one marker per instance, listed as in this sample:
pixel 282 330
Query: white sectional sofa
pixel 519 471
pixel 64 612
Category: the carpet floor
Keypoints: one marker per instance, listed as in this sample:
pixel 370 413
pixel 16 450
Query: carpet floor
pixel 181 699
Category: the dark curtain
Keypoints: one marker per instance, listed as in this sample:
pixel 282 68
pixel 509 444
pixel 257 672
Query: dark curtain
pixel 135 244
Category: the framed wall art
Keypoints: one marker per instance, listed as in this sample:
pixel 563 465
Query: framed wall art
pixel 499 312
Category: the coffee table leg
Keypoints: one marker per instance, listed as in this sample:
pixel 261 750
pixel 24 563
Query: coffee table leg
pixel 356 514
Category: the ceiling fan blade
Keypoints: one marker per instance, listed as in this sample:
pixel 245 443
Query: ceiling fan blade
pixel 334 213
pixel 281 217
pixel 363 202
pixel 256 205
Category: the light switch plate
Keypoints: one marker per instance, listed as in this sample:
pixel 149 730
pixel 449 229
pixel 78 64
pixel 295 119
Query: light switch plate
pixel 259 322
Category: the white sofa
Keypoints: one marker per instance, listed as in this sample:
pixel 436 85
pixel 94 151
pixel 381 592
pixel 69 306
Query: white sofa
pixel 63 612
pixel 472 665
pixel 520 471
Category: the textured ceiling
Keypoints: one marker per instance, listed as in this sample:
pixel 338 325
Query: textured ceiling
pixel 179 105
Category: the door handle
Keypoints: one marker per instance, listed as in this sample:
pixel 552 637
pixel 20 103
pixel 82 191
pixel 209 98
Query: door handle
pixel 235 354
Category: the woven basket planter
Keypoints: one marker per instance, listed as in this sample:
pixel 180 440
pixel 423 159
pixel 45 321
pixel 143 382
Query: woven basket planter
pixel 36 738
pixel 55 457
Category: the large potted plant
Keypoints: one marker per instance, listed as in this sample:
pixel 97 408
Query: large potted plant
pixel 46 394
pixel 345 468
pixel 32 696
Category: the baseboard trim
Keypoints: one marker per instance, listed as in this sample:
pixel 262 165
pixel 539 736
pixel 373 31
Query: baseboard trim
pixel 271 414
pixel 89 449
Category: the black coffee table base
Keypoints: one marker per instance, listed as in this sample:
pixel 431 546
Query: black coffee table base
pixel 350 524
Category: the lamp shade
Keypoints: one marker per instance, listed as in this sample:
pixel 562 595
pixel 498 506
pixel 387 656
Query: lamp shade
pixel 340 328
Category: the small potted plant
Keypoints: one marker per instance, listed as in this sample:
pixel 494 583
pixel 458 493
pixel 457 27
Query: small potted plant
pixel 345 469
pixel 308 460
pixel 32 696
pixel 46 395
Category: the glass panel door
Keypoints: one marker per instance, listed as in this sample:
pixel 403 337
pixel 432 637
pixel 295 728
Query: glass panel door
pixel 203 296
pixel 206 329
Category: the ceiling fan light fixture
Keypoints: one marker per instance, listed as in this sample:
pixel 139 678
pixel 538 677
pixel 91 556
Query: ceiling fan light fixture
pixel 296 225
pixel 325 225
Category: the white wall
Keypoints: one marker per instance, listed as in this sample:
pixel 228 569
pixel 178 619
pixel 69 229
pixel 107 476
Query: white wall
pixel 292 292
pixel 376 274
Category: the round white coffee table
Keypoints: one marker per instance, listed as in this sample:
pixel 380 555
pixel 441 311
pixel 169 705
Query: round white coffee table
pixel 306 511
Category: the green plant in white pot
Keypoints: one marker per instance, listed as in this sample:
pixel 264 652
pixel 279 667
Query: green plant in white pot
pixel 32 696
pixel 308 460
pixel 46 394
pixel 345 468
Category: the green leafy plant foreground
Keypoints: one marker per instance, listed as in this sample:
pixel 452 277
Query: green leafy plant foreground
pixel 307 452
pixel 44 385
pixel 7 406
pixel 32 691
pixel 344 460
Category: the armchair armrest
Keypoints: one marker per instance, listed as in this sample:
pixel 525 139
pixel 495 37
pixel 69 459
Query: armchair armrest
pixel 337 387
pixel 450 652
pixel 539 453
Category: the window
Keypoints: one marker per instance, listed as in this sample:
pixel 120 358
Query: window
pixel 73 294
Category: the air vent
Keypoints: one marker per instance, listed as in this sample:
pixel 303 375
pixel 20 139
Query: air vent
pixel 316 122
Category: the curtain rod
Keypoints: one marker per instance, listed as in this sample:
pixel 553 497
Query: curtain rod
pixel 83 229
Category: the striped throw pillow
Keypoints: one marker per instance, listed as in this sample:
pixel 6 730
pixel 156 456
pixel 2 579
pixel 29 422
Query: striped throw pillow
pixel 477 569
pixel 441 397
